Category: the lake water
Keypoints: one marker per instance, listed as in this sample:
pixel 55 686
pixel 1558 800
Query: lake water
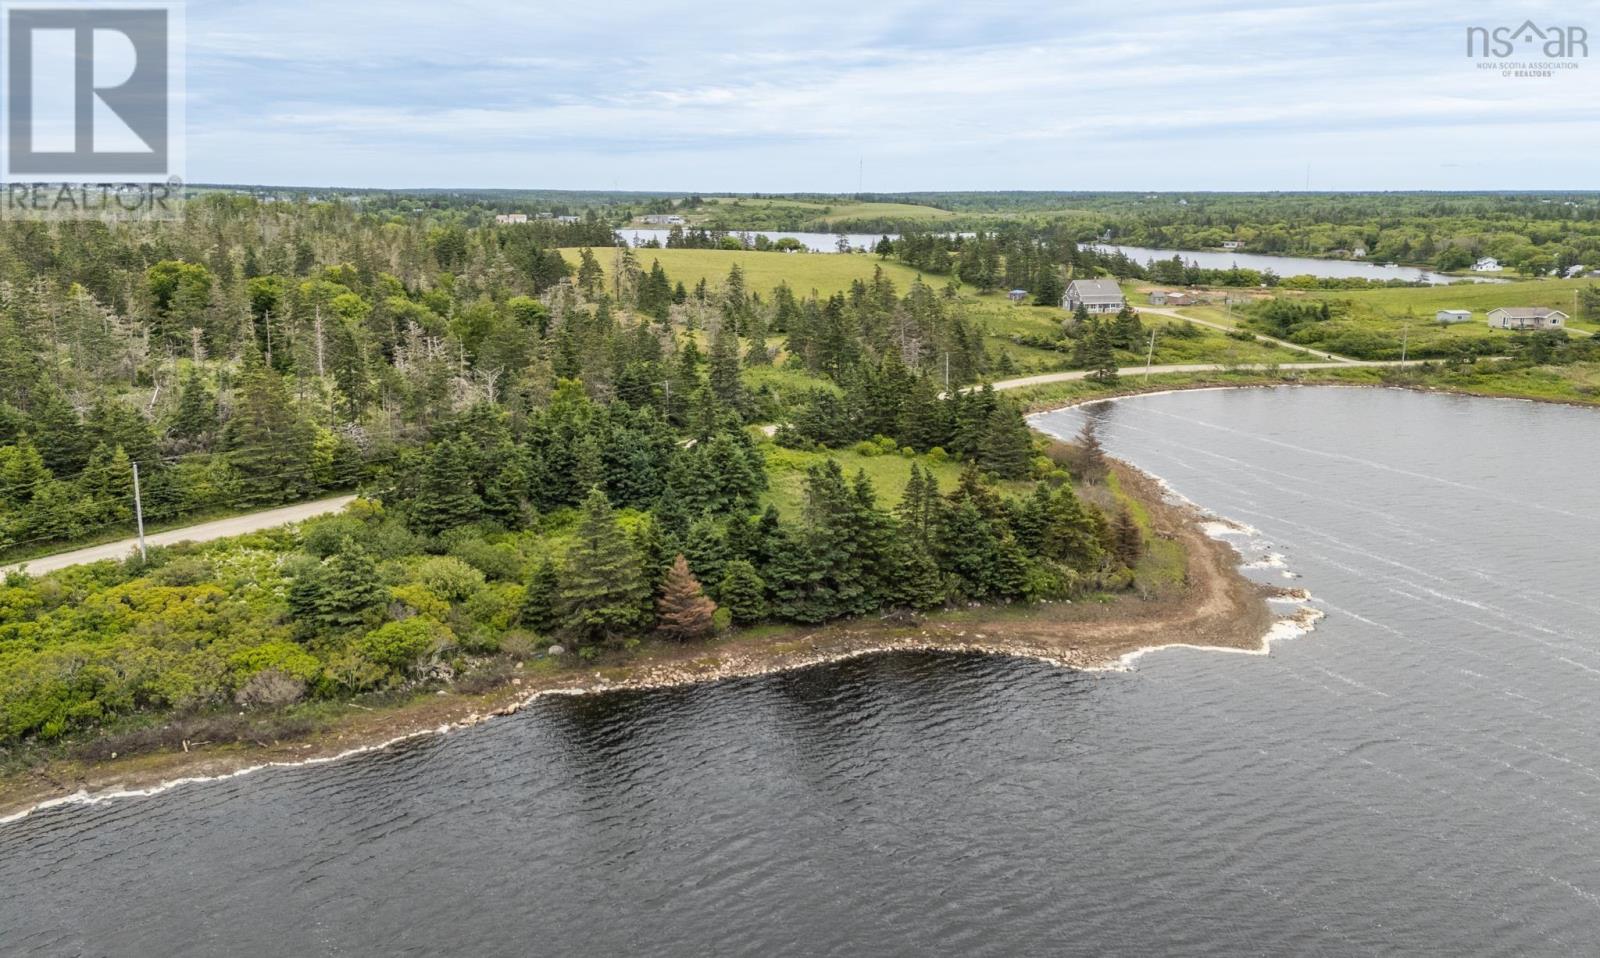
pixel 1294 265
pixel 1420 775
pixel 815 242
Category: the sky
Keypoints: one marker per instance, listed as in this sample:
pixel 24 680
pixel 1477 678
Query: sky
pixel 882 96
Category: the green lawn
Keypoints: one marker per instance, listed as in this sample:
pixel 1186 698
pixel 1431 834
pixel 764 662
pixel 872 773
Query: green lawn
pixel 1420 304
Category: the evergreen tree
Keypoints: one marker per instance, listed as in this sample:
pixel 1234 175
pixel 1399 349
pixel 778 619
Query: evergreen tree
pixel 336 593
pixel 684 611
pixel 539 599
pixel 446 496
pixel 743 592
pixel 196 419
pixel 1048 291
pixel 268 440
pixel 1093 466
pixel 1007 447
pixel 603 593
pixel 1100 356
pixel 1127 540
pixel 724 370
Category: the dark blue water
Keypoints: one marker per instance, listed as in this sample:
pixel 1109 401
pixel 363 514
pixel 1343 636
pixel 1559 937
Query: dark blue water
pixel 1421 775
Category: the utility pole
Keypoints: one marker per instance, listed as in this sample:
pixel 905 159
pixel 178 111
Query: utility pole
pixel 1150 357
pixel 947 374
pixel 138 513
pixel 1405 342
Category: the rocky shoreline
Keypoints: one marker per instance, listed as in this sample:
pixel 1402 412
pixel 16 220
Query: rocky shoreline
pixel 1217 607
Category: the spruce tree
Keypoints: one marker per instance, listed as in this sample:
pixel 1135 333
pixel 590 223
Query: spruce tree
pixel 538 611
pixel 1007 448
pixel 743 592
pixel 684 613
pixel 267 438
pixel 1093 465
pixel 1127 540
pixel 196 419
pixel 446 496
pixel 603 593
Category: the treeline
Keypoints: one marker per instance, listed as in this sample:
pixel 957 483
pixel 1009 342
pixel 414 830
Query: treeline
pixel 488 548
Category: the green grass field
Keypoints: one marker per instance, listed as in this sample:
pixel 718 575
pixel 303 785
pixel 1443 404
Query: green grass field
pixel 1005 319
pixel 786 473
pixel 1420 304
pixel 824 273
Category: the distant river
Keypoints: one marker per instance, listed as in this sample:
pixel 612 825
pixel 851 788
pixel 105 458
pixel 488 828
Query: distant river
pixel 1419 776
pixel 815 242
pixel 1293 265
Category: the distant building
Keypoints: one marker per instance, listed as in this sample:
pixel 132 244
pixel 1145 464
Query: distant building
pixel 1360 252
pixel 1487 265
pixel 1526 317
pixel 662 219
pixel 566 219
pixel 1449 316
pixel 1575 271
pixel 1094 295
pixel 506 219
pixel 1017 295
pixel 1164 298
pixel 1233 244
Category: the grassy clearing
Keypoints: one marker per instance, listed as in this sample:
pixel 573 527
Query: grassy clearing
pixel 824 273
pixel 1389 309
pixel 1003 319
pixel 786 474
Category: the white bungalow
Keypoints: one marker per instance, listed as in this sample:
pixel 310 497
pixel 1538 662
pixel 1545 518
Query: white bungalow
pixel 1487 265
pixel 1451 316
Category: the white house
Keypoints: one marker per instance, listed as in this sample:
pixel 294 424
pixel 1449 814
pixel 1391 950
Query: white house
pixel 662 219
pixel 1448 316
pixel 1360 252
pixel 1526 317
pixel 1487 265
pixel 1094 295
pixel 1233 244
pixel 506 219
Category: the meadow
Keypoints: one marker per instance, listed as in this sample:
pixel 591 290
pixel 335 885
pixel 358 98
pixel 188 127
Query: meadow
pixel 822 273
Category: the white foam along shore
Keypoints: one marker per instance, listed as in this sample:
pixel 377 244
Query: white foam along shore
pixel 1302 621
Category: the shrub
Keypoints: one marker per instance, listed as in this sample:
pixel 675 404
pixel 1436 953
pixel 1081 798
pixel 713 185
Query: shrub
pixel 497 562
pixel 285 658
pixel 402 647
pixel 270 689
pixel 449 577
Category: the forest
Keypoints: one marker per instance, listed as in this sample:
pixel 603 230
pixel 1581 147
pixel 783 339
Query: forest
pixel 555 459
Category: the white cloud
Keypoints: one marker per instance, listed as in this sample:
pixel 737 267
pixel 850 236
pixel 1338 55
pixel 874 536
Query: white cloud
pixel 1023 96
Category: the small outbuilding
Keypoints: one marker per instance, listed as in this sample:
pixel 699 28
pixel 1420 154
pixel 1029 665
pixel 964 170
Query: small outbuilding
pixel 1017 295
pixel 1451 316
pixel 1487 265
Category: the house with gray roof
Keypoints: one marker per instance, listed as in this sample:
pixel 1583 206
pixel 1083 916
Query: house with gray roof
pixel 1526 317
pixel 1094 295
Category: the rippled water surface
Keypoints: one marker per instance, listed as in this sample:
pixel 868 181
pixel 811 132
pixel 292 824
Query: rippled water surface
pixel 1420 775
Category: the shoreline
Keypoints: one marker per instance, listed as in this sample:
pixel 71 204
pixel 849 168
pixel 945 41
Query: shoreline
pixel 1217 609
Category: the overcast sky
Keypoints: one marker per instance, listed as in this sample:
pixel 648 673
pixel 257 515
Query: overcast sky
pixel 885 94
